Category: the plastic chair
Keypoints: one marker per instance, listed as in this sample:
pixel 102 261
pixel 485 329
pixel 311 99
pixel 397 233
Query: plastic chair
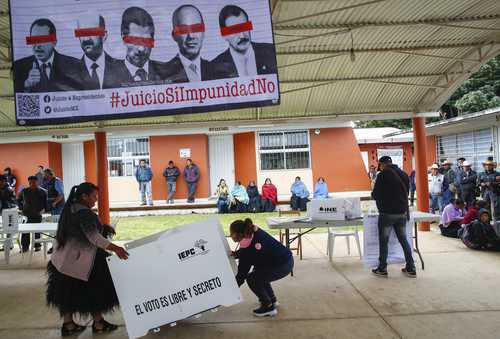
pixel 298 249
pixel 331 242
pixel 43 240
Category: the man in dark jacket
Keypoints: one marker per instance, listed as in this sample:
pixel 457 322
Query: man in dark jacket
pixel 391 195
pixel 468 179
pixel 171 173
pixel 487 181
pixel 191 175
pixel 34 200
pixel 6 198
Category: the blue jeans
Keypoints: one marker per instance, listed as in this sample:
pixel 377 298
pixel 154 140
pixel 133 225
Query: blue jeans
pixel 259 280
pixel 222 205
pixel 386 223
pixel 191 190
pixel 145 189
pixel 447 196
pixel 171 187
pixel 435 203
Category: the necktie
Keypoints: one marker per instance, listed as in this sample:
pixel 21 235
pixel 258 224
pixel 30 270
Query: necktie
pixel 194 73
pixel 45 74
pixel 140 75
pixel 245 66
pixel 94 78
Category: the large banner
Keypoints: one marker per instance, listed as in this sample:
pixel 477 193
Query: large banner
pixel 83 60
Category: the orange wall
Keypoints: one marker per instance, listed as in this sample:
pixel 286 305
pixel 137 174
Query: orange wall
pixel 245 166
pixel 24 158
pixel 165 148
pixel 372 153
pixel 335 155
pixel 90 161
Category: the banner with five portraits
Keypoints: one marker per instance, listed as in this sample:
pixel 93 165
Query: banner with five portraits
pixel 85 60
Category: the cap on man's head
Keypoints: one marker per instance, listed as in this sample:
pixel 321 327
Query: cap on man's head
pixel 461 159
pixel 446 162
pixel 385 160
pixel 434 166
pixel 466 164
pixel 488 162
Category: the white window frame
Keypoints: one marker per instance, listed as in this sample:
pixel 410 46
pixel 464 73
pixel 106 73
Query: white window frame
pixel 284 150
pixel 134 158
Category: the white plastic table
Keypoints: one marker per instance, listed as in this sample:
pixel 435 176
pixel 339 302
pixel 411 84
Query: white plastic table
pixel 48 228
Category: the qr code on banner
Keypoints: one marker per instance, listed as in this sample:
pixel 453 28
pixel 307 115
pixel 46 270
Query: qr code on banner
pixel 28 105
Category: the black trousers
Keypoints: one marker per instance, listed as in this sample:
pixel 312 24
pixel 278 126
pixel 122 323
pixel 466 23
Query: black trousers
pixel 259 280
pixel 452 230
pixel 25 237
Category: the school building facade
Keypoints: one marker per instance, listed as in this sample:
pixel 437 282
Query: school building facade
pixel 335 151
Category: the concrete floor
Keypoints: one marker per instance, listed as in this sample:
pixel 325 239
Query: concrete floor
pixel 457 296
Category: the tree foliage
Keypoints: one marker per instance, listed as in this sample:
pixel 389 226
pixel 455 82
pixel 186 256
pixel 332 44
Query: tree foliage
pixel 481 91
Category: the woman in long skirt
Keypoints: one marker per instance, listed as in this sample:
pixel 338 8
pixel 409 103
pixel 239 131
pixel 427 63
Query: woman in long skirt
pixel 79 280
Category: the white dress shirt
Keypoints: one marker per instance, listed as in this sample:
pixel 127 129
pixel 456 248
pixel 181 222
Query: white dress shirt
pixel 48 69
pixel 133 68
pixel 191 67
pixel 245 63
pixel 100 70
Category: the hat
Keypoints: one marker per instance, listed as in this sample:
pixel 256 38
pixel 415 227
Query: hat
pixel 488 162
pixel 461 158
pixel 466 164
pixel 446 162
pixel 385 159
pixel 434 166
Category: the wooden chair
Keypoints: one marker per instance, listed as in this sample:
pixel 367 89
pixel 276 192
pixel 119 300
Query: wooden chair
pixel 298 249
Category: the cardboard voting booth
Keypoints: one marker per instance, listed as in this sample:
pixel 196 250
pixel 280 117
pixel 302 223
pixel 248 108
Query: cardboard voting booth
pixel 326 209
pixel 371 244
pixel 10 220
pixel 174 275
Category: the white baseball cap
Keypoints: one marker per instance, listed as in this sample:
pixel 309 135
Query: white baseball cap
pixel 466 164
pixel 434 166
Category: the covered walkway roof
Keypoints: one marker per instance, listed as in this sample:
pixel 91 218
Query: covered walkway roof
pixel 350 59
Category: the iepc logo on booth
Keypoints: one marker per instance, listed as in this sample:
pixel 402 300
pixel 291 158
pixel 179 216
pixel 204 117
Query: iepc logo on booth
pixel 199 248
pixel 328 209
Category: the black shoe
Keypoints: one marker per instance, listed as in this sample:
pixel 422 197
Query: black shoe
pixel 411 273
pixel 24 250
pixel 104 328
pixel 38 249
pixel 380 273
pixel 265 311
pixel 50 250
pixel 71 328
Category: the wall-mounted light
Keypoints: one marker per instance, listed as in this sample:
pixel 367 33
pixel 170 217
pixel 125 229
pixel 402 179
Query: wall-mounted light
pixel 317 131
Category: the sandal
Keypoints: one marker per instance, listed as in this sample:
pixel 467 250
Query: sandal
pixel 67 329
pixel 106 327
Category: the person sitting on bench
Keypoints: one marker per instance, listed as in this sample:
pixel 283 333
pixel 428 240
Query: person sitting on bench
pixel 300 195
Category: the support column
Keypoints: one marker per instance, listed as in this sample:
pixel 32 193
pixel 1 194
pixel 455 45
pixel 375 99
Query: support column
pixel 420 145
pixel 102 176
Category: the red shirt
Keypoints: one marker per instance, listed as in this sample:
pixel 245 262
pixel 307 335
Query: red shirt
pixel 470 216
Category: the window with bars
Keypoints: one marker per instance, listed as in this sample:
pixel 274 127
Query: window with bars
pixel 284 150
pixel 475 146
pixel 124 155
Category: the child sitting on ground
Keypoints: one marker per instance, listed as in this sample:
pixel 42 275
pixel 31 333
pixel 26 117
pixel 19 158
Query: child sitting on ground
pixel 271 261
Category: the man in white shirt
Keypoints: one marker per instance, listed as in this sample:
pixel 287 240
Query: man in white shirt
pixel 243 58
pixel 138 30
pixel 437 185
pixel 46 70
pixel 96 65
pixel 188 32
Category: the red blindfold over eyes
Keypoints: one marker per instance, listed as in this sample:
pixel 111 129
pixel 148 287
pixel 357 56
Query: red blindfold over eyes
pixel 40 39
pixel 186 29
pixel 85 32
pixel 140 41
pixel 235 29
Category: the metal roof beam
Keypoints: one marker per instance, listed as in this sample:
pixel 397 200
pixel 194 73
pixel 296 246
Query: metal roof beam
pixel 437 56
pixel 365 24
pixel 437 46
pixel 378 77
pixel 310 61
pixel 335 10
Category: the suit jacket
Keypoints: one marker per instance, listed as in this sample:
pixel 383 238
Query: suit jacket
pixel 122 77
pixel 265 59
pixel 174 72
pixel 110 71
pixel 63 74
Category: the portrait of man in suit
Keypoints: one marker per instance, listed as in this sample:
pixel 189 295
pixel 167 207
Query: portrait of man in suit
pixel 243 57
pixel 46 70
pixel 97 68
pixel 137 30
pixel 188 32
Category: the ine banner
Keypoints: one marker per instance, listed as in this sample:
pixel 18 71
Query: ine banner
pixel 84 60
